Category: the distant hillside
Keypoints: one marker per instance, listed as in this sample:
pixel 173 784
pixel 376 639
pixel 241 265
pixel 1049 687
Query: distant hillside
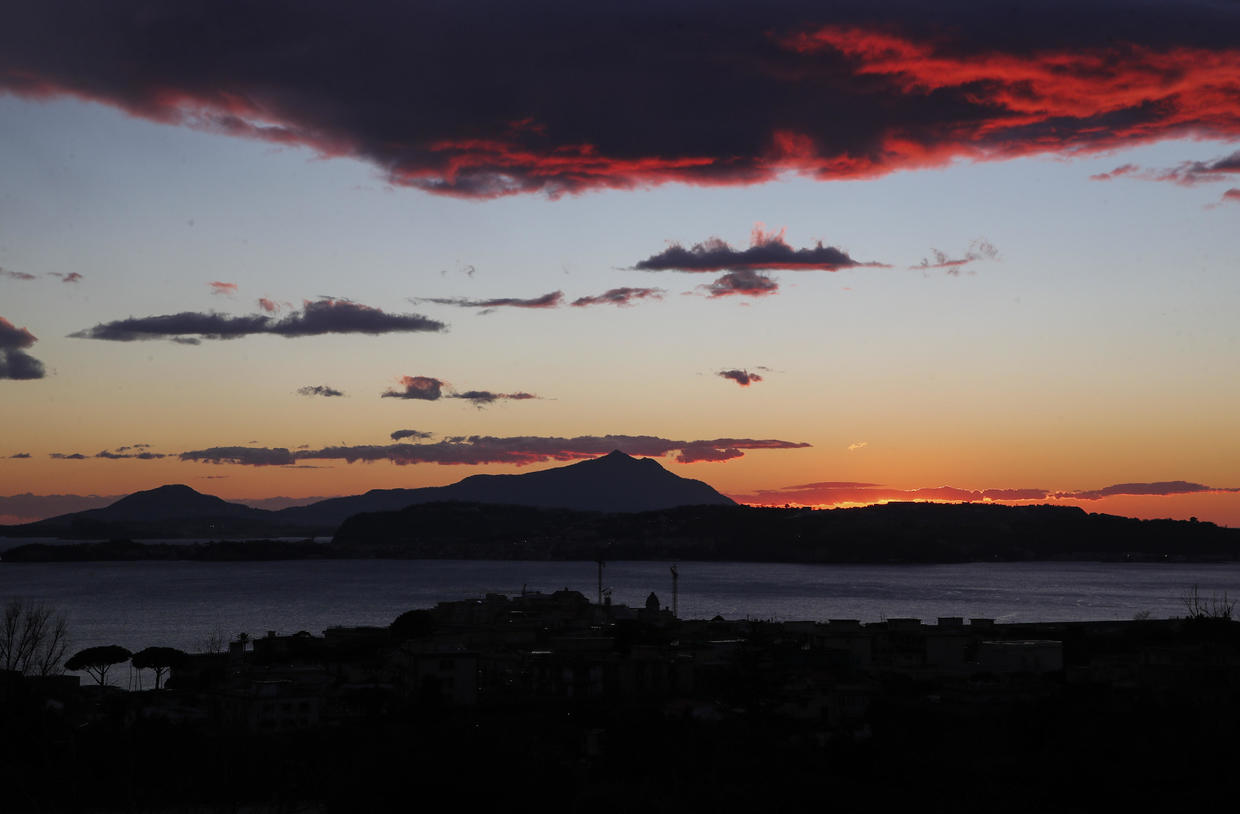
pixel 895 532
pixel 173 511
pixel 613 483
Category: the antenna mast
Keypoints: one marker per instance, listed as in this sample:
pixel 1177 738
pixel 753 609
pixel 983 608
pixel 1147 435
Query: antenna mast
pixel 675 592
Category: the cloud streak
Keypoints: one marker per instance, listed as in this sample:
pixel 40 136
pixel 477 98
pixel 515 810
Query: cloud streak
pixel 402 434
pixel 15 363
pixel 620 296
pixel 319 390
pixel 847 90
pixel 248 456
pixel 428 388
pixel 318 318
pixel 227 289
pixel 518 450
pixel 980 249
pixel 831 493
pixel 551 300
pixel 16 275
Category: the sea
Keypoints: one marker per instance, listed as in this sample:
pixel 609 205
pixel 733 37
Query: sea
pixel 187 604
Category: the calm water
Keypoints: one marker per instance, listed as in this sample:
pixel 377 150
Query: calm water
pixel 181 604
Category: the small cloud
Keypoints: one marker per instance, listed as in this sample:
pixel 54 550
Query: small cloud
pixel 318 390
pixel 16 275
pixel 20 455
pixel 742 377
pixel 1191 173
pixel 71 456
pixel 15 363
pixel 418 434
pixel 767 251
pixel 269 305
pixel 227 289
pixel 745 283
pixel 71 277
pixel 1123 169
pixel 980 249
pixel 853 447
pixel 1232 194
pixel 483 398
pixel 620 296
pixel 421 388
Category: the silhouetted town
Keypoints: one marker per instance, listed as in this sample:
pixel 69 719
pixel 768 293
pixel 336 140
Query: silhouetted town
pixel 564 701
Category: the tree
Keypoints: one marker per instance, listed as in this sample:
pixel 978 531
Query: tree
pixel 159 659
pixel 98 660
pixel 1213 608
pixel 33 638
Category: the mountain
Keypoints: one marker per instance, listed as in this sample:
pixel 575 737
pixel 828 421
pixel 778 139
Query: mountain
pixel 613 483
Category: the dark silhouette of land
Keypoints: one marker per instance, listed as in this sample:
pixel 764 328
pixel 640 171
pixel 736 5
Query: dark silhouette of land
pixel 890 533
pixel 616 507
pixel 613 483
pixel 555 702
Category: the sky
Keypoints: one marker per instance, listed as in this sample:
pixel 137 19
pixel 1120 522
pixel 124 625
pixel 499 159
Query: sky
pixel 819 254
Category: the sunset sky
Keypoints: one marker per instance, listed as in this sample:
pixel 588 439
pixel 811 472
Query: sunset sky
pixel 810 253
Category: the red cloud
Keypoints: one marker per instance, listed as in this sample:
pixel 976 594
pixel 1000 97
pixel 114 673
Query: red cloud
pixel 1123 169
pixel 1048 100
pixel 422 388
pixel 759 90
pixel 742 377
pixel 836 493
pixel 223 288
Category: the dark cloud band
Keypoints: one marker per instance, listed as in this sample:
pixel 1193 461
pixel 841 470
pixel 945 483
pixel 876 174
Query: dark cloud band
pixel 713 94
pixel 326 316
pixel 519 450
pixel 551 300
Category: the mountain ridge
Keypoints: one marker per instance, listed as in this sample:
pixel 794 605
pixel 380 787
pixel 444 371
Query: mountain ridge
pixel 614 482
